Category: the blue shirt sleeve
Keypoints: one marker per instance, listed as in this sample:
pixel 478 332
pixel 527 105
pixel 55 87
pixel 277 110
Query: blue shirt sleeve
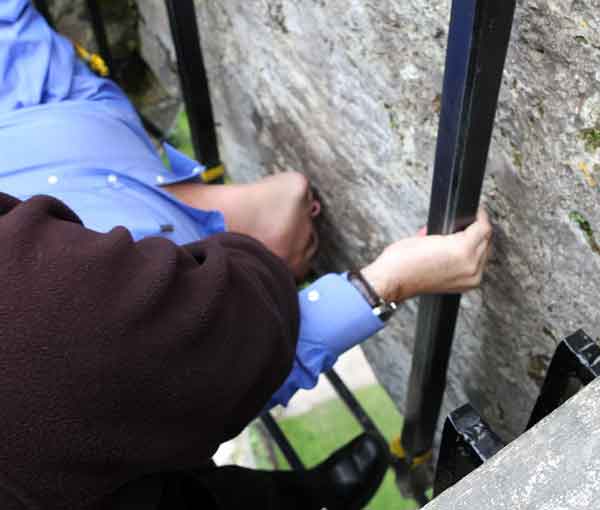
pixel 334 317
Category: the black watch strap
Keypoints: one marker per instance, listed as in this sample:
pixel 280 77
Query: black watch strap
pixel 381 308
pixel 357 279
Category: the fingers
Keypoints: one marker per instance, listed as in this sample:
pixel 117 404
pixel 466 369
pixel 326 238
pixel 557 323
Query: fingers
pixel 481 250
pixel 483 254
pixel 486 257
pixel 481 230
pixel 471 250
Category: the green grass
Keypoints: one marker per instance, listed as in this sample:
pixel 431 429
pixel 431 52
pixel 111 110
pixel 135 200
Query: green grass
pixel 327 427
pixel 181 137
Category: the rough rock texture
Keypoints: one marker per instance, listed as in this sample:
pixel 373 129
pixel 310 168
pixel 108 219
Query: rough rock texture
pixel 349 92
pixel 553 466
pixel 156 93
pixel 72 20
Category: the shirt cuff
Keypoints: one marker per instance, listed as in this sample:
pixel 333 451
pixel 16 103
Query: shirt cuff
pixel 334 317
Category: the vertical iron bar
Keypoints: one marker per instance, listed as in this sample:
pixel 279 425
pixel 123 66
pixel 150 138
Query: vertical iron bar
pixel 152 128
pixel 467 442
pixel 477 44
pixel 353 404
pixel 194 82
pixel 100 34
pixel 42 7
pixel 282 442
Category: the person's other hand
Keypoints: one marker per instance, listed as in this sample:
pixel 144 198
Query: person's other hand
pixel 279 210
pixel 284 220
pixel 432 264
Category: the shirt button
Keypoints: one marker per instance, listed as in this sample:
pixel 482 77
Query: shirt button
pixel 112 179
pixel 197 170
pixel 160 179
pixel 314 295
pixel 52 179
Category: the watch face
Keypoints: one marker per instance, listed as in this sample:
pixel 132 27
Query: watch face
pixel 385 310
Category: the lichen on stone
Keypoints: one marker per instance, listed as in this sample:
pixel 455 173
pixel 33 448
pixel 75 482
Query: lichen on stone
pixel 591 137
pixel 584 225
pixel 394 123
pixel 518 159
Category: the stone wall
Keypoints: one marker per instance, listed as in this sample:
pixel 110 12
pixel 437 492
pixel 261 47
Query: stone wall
pixel 349 93
pixel 120 16
pixel 143 65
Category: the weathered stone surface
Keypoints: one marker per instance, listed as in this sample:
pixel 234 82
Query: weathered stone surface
pixel 135 34
pixel 349 92
pixel 156 43
pixel 553 466
pixel 72 20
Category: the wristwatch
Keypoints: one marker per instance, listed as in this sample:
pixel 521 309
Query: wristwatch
pixel 381 308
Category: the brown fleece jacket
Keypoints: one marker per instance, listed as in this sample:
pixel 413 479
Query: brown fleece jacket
pixel 119 359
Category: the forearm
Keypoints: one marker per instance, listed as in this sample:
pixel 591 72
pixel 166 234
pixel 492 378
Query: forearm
pixel 413 266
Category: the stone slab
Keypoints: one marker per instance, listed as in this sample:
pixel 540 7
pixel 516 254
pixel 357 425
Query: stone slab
pixel 554 466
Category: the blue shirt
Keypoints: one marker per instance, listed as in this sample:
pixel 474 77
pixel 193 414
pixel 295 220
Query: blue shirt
pixel 67 133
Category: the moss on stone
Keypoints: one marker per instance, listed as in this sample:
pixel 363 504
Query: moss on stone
pixel 518 159
pixel 394 124
pixel 537 368
pixel 591 137
pixel 586 228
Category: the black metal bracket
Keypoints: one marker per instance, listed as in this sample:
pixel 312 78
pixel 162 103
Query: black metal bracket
pixel 576 363
pixel 467 442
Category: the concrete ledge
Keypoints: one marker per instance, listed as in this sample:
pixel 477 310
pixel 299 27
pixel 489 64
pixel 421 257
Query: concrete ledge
pixel 554 466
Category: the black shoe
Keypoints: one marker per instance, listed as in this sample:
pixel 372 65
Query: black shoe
pixel 349 478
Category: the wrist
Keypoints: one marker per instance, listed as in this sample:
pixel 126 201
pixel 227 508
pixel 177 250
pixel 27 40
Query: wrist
pixel 381 307
pixel 379 281
pixel 391 287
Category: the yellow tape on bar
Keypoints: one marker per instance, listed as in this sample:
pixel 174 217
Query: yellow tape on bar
pixel 212 174
pixel 95 61
pixel 398 451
